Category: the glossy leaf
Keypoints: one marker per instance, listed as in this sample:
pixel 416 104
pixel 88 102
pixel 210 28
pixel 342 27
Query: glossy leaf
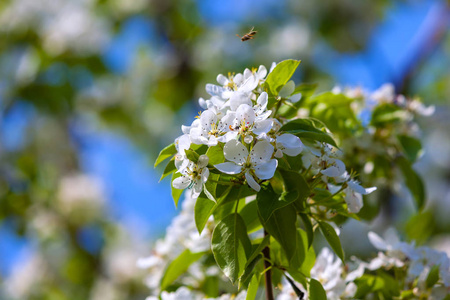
pixel 203 209
pixel 253 287
pixel 250 215
pixel 165 153
pixel 332 238
pixel 304 128
pixel 192 155
pixel 215 154
pixel 282 226
pixel 280 75
pixel 308 228
pixel 231 246
pixel 316 291
pixel 169 169
pixel 179 266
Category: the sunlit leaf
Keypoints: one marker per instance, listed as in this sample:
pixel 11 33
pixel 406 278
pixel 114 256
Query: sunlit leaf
pixel 231 246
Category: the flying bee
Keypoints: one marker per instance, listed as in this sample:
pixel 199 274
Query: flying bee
pixel 248 36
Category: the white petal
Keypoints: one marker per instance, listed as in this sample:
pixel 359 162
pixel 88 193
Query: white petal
pixel 252 182
pixel 292 144
pixel 247 73
pixel 245 114
pixel 197 188
pixel 287 89
pixel 181 182
pixel 263 100
pixel 263 126
pixel 261 152
pixel 377 241
pixel 204 175
pixel 214 90
pixel 235 152
pixel 222 79
pixel 181 163
pixel 354 201
pixel 330 172
pixel 237 99
pixel 229 168
pixel 340 165
pixel 207 119
pixel 213 141
pixel 266 170
pixel 295 98
pixel 202 161
pixel 249 85
pixel 370 190
pixel 229 136
pixel 198 135
pixel 183 143
pixel 262 72
pixel 227 121
pixel 238 78
pixel 202 103
pixel 264 115
pixel 274 64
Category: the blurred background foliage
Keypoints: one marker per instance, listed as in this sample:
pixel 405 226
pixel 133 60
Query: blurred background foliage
pixel 90 90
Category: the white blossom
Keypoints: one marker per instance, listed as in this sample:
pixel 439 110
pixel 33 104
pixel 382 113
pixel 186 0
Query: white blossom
pixel 193 176
pixel 257 163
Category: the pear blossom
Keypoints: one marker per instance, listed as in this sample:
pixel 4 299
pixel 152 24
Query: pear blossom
pixel 257 163
pixel 288 144
pixel 287 92
pixel 246 122
pixel 193 176
pixel 353 195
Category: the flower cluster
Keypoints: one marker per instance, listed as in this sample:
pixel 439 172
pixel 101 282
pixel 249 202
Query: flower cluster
pixel 415 264
pixel 239 120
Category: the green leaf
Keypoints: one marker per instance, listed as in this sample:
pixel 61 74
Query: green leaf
pixel 420 227
pixel 170 167
pixel 192 155
pixel 282 226
pixel 253 287
pixel 387 113
pixel 433 276
pixel 215 155
pixel 280 75
pixel 295 187
pixel 179 266
pixel 332 238
pixel 259 249
pixel 166 153
pixel 412 181
pixel 316 291
pixel 367 284
pixel 308 228
pixel 231 246
pixel 203 209
pixel 304 128
pixel 250 215
pixel 176 193
pixel 301 249
pixel 412 147
pixel 304 259
pixel 268 202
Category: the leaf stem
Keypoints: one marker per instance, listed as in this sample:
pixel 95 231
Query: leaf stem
pixel 268 273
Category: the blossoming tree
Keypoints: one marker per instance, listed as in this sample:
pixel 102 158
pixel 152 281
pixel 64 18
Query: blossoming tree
pixel 267 164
